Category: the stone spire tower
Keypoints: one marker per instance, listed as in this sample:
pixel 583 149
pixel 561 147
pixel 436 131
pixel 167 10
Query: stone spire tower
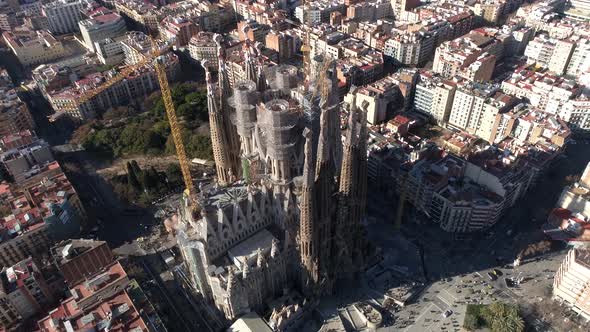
pixel 361 193
pixel 218 134
pixel 307 226
pixel 324 187
pixel 351 196
pixel 233 140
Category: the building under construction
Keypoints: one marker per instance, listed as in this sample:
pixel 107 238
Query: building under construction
pixel 285 210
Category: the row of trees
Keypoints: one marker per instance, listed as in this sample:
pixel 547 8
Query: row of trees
pixel 498 317
pixel 141 186
pixel 149 132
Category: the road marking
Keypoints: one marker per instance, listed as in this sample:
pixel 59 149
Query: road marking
pixel 450 294
pixel 427 310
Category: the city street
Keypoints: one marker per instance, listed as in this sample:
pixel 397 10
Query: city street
pixel 458 268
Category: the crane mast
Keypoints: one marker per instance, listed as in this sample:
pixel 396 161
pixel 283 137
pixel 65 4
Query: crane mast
pixel 306 48
pixel 175 130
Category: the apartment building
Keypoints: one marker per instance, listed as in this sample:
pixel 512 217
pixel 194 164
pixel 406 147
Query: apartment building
pixel 19 162
pixel 252 31
pixel 8 19
pixel 580 60
pixel 45 208
pixel 108 299
pixel 9 317
pixel 63 15
pixel 550 53
pixel 25 288
pixel 468 105
pixel 400 6
pixel 576 113
pixel 572 281
pixel 284 43
pixel 144 14
pixel 487 124
pixel 533 126
pixel 80 259
pixel 462 204
pixel 434 96
pixel 135 45
pixel 34 47
pixel 542 89
pixel 14 114
pixel 490 11
pixel 410 48
pixel 17 140
pixel 360 70
pixel 180 28
pixel 576 197
pixel 109 51
pixel 369 10
pixel 138 84
pixel 101 24
pixel 470 194
pixel 382 96
pixel 472 56
pixel 318 11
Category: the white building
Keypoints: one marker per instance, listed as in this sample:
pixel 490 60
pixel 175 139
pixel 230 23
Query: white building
pixel 577 114
pixel 101 26
pixel 317 12
pixel 34 47
pixel 434 96
pixel 413 48
pixel 135 45
pixel 109 51
pixel 551 53
pixel 468 105
pixel 63 15
pixel 580 61
pixel 572 281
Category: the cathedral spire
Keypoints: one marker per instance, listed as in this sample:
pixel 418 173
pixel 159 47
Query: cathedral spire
pixel 274 249
pixel 260 76
pixel 232 283
pixel 325 186
pixel 307 232
pixel 260 259
pixel 250 67
pixel 218 133
pixel 344 230
pixel 232 137
pixel 245 270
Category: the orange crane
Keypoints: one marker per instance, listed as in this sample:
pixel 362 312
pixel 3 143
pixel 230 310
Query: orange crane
pixel 156 53
pixel 176 131
pixel 121 75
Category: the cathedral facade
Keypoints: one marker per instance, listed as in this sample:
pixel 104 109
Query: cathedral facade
pixel 285 210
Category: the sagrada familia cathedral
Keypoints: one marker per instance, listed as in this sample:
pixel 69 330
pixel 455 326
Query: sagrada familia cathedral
pixel 285 211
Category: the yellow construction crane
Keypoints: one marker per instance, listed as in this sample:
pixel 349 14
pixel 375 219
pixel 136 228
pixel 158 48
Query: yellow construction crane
pixel 121 75
pixel 156 54
pixel 175 130
pixel 305 48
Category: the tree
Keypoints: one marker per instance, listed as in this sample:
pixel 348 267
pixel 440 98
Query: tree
pixel 503 317
pixel 117 113
pixel 186 111
pixel 150 179
pixel 5 210
pixel 132 177
pixel 174 174
pixel 136 168
pixel 471 322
